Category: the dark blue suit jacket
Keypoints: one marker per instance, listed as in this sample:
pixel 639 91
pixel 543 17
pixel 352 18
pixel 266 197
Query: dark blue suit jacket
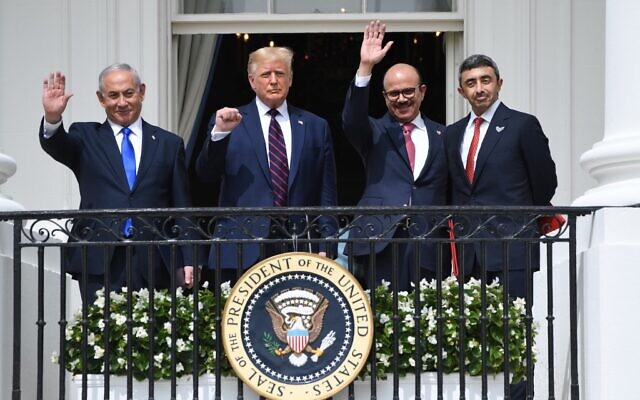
pixel 513 168
pixel 240 161
pixel 389 179
pixel 90 150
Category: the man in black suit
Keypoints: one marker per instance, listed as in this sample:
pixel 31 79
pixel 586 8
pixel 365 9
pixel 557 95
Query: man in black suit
pixel 498 156
pixel 404 159
pixel 152 174
pixel 268 153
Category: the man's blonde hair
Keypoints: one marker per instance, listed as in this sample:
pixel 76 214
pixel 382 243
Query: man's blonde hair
pixel 270 54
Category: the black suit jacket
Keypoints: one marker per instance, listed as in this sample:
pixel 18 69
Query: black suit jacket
pixel 513 168
pixel 240 161
pixel 90 150
pixel 389 179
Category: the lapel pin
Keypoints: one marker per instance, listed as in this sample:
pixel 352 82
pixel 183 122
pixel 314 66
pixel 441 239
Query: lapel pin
pixel 300 122
pixel 439 133
pixel 499 128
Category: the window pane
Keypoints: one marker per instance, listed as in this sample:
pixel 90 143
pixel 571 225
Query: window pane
pixel 224 6
pixel 408 5
pixel 315 6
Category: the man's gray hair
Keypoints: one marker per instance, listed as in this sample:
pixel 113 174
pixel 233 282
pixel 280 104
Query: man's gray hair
pixel 118 67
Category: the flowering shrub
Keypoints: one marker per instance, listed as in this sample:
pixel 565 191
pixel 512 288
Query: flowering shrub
pixel 450 330
pixel 383 329
pixel 161 332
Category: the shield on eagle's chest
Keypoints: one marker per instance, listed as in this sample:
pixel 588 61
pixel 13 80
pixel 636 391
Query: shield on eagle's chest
pixel 297 339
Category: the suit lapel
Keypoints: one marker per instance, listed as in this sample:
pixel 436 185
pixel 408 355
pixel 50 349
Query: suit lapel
pixel 298 132
pixel 107 142
pixel 497 128
pixel 149 148
pixel 394 130
pixel 457 135
pixel 253 129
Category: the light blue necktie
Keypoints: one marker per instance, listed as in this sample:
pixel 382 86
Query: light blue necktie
pixel 129 163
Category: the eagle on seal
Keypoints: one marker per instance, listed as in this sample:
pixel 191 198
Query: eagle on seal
pixel 298 325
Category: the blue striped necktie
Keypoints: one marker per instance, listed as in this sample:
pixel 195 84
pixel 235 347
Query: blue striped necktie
pixel 278 165
pixel 129 163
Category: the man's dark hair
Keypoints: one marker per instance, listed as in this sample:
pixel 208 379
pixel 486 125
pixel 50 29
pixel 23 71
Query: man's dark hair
pixel 477 61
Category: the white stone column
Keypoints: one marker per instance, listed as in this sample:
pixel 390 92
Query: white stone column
pixel 7 169
pixel 615 161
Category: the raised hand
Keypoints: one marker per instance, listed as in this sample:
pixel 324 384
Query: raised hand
pixel 227 119
pixel 54 98
pixel 371 51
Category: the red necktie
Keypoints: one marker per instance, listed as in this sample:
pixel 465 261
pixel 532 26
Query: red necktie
pixel 473 149
pixel 407 127
pixel 278 166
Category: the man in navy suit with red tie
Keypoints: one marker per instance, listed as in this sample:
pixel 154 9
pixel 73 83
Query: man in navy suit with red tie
pixel 405 164
pixel 268 153
pixel 498 156
pixel 123 162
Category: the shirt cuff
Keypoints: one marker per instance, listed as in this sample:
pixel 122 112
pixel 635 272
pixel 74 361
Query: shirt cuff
pixel 50 129
pixel 362 81
pixel 216 136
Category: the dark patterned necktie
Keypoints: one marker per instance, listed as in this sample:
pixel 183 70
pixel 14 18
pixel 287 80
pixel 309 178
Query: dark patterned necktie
pixel 129 163
pixel 278 166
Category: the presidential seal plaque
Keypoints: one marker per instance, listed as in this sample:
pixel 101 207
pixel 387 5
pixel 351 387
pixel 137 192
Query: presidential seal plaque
pixel 297 326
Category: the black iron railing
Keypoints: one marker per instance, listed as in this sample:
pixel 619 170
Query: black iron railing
pixel 490 231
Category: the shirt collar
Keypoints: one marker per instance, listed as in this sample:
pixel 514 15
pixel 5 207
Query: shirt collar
pixel 487 115
pixel 136 127
pixel 418 122
pixel 263 108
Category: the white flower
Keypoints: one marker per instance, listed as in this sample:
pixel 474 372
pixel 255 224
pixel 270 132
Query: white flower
pixel 167 326
pixel 179 367
pixel 91 339
pixel 99 301
pixel 519 305
pixel 119 318
pixel 101 324
pixel 140 332
pixel 411 340
pixel 55 357
pixel 158 359
pixel 412 362
pixel 384 318
pixel 98 352
pixel 181 345
pixel 121 361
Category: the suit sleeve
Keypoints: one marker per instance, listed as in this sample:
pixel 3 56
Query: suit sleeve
pixel 329 196
pixel 61 146
pixel 211 160
pixel 540 166
pixel 355 119
pixel 182 199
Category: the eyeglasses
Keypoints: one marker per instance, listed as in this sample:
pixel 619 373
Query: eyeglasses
pixel 407 93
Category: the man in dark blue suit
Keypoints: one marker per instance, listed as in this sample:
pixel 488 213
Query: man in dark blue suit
pixel 267 153
pixel 510 165
pixel 498 156
pixel 153 176
pixel 404 159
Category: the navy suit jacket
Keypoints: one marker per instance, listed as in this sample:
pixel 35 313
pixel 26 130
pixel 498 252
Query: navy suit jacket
pixel 240 161
pixel 513 168
pixel 90 150
pixel 389 179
